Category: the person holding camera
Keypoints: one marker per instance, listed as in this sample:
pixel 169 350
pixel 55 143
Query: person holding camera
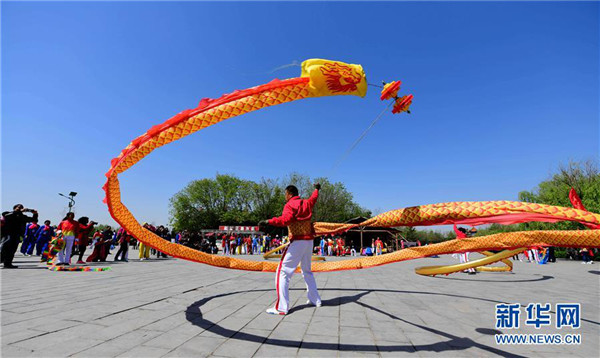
pixel 297 215
pixel 14 228
pixel 83 236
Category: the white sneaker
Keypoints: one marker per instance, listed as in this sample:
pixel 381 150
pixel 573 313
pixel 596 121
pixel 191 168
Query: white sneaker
pixel 583 263
pixel 318 304
pixel 272 310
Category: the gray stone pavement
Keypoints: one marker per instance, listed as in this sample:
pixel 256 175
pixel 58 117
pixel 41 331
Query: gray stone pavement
pixel 175 308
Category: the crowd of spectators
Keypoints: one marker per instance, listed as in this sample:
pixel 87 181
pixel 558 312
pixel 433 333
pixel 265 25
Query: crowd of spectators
pixel 82 234
pixel 19 228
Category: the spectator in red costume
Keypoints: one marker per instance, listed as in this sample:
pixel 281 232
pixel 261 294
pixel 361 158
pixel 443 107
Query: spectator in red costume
pixel 339 248
pixel 70 229
pixel 102 247
pixel 123 238
pixel 85 227
pixel 461 233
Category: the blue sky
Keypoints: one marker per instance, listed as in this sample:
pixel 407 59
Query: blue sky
pixel 504 92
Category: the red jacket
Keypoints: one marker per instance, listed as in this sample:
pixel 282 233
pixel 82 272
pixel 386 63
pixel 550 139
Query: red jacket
pixel 69 227
pixel 459 234
pixel 84 233
pixel 297 210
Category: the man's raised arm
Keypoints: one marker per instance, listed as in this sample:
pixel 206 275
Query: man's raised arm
pixel 314 196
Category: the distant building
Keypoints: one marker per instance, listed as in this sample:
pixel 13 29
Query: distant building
pixel 363 236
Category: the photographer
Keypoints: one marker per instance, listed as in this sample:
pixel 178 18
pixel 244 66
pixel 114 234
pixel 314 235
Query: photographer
pixel 14 228
pixel 85 227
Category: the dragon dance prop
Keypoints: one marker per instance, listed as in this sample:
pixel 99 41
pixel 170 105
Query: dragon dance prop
pixel 330 78
pixel 78 268
pixel 545 255
pixel 56 245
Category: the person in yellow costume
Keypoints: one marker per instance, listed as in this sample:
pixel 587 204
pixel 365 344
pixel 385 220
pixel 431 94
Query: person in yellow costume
pixel 145 249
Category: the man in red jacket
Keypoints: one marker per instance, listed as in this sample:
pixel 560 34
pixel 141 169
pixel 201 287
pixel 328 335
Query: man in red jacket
pixel 461 233
pixel 297 214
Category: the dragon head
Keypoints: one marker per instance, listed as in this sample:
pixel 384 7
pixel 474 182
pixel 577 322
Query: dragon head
pixel 340 78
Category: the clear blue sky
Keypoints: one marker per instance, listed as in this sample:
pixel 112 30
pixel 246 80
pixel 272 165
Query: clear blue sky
pixel 504 92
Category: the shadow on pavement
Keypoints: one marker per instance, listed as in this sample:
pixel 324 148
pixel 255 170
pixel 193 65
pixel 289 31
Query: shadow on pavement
pixel 450 342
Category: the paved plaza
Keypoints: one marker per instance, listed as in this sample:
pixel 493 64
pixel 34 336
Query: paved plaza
pixel 175 308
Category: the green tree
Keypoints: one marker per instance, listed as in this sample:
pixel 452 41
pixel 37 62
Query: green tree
pixel 268 199
pixel 410 233
pixel 335 204
pixel 584 177
pixel 207 203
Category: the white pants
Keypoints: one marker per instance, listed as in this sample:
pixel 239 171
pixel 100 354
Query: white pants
pixel 464 257
pixel 298 252
pixel 64 256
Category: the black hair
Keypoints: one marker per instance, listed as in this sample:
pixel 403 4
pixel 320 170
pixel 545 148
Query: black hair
pixel 67 216
pixel 462 229
pixel 16 206
pixel 83 220
pixel 292 190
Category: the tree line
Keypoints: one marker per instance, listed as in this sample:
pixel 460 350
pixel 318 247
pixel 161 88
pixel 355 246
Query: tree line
pixel 229 200
pixel 583 176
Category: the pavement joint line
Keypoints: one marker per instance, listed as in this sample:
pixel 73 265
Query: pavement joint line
pixel 111 339
pixel 76 284
pixel 306 330
pixel 274 328
pixel 39 335
pixel 339 332
pixel 58 330
pixel 399 327
pixel 473 310
pixel 91 298
pixel 162 299
pixel 259 314
pixel 216 323
pixel 371 331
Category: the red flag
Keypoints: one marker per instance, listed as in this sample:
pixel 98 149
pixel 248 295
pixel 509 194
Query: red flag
pixel 577 204
pixel 575 200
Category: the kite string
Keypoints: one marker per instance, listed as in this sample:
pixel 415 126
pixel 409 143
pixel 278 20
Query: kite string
pixel 295 63
pixel 349 150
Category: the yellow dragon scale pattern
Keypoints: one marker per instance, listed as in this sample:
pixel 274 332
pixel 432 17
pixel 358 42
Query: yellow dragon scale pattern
pixel 407 216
